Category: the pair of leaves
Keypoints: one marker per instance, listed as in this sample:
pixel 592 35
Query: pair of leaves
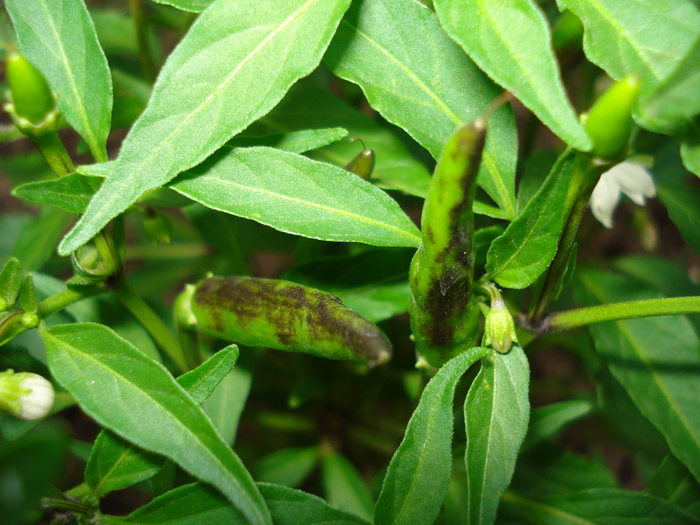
pixel 418 79
pixel 147 407
pixel 204 94
pixel 496 414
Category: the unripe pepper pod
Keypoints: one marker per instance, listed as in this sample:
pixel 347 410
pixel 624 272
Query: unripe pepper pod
pixel 286 316
pixel 443 318
pixel 31 97
pixel 363 164
pixel 609 122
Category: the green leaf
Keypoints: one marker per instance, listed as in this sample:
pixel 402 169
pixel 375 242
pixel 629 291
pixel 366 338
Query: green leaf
pixel 203 95
pixel 344 487
pixel 673 483
pixel 496 414
pixel 29 467
pixel 675 99
pixel 683 205
pixel 203 381
pixel 37 242
pixel 227 401
pixel 598 507
pixel 98 368
pixel 298 195
pixel 514 48
pixel 294 142
pixel 529 244
pixel 648 38
pixel 293 507
pixel 310 106
pixel 194 6
pixel 196 503
pixel 548 470
pixel 420 80
pixel 287 466
pixel 115 463
pixel 59 39
pixel 373 283
pixel 419 472
pixel 547 421
pixel 657 361
pixel 71 193
pixel 690 149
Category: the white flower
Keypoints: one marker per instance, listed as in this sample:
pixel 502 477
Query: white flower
pixel 629 178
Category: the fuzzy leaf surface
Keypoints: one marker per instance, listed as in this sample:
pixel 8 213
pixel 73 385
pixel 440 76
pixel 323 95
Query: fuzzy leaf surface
pixel 511 41
pixel 420 80
pixel 148 408
pixel 235 63
pixel 298 195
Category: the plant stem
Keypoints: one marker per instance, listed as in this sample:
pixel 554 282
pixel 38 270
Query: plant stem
pixel 584 177
pixel 154 324
pixel 147 66
pixel 65 298
pixel 617 311
pixel 52 149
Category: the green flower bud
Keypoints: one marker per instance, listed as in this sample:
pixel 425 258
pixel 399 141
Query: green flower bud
pixel 25 395
pixel 156 226
pixel 30 96
pixel 499 331
pixel 363 164
pixel 285 316
pixel 609 122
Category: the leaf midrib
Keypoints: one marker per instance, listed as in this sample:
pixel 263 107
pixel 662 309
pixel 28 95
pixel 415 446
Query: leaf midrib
pixel 210 453
pixel 342 213
pixel 278 29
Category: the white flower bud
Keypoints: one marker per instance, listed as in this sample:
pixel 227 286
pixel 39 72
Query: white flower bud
pixel 26 395
pixel 39 401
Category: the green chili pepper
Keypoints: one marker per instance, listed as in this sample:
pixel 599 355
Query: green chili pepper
pixel 31 96
pixel 442 318
pixel 285 316
pixel 609 122
pixel 363 164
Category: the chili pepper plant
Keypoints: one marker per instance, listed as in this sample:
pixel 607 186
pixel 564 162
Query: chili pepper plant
pixel 217 306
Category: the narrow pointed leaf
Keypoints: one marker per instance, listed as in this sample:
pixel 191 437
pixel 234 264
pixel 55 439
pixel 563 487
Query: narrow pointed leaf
pixel 344 487
pixel 604 506
pixel 683 205
pixel 287 466
pixel 524 251
pixel 655 359
pixel 418 475
pixel 298 195
pixel 235 63
pixel 109 378
pixel 116 464
pixel 418 79
pixel 194 6
pixel 496 414
pixel 307 106
pixel 294 142
pixel 196 503
pixel 59 39
pixel 71 193
pixel 511 42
